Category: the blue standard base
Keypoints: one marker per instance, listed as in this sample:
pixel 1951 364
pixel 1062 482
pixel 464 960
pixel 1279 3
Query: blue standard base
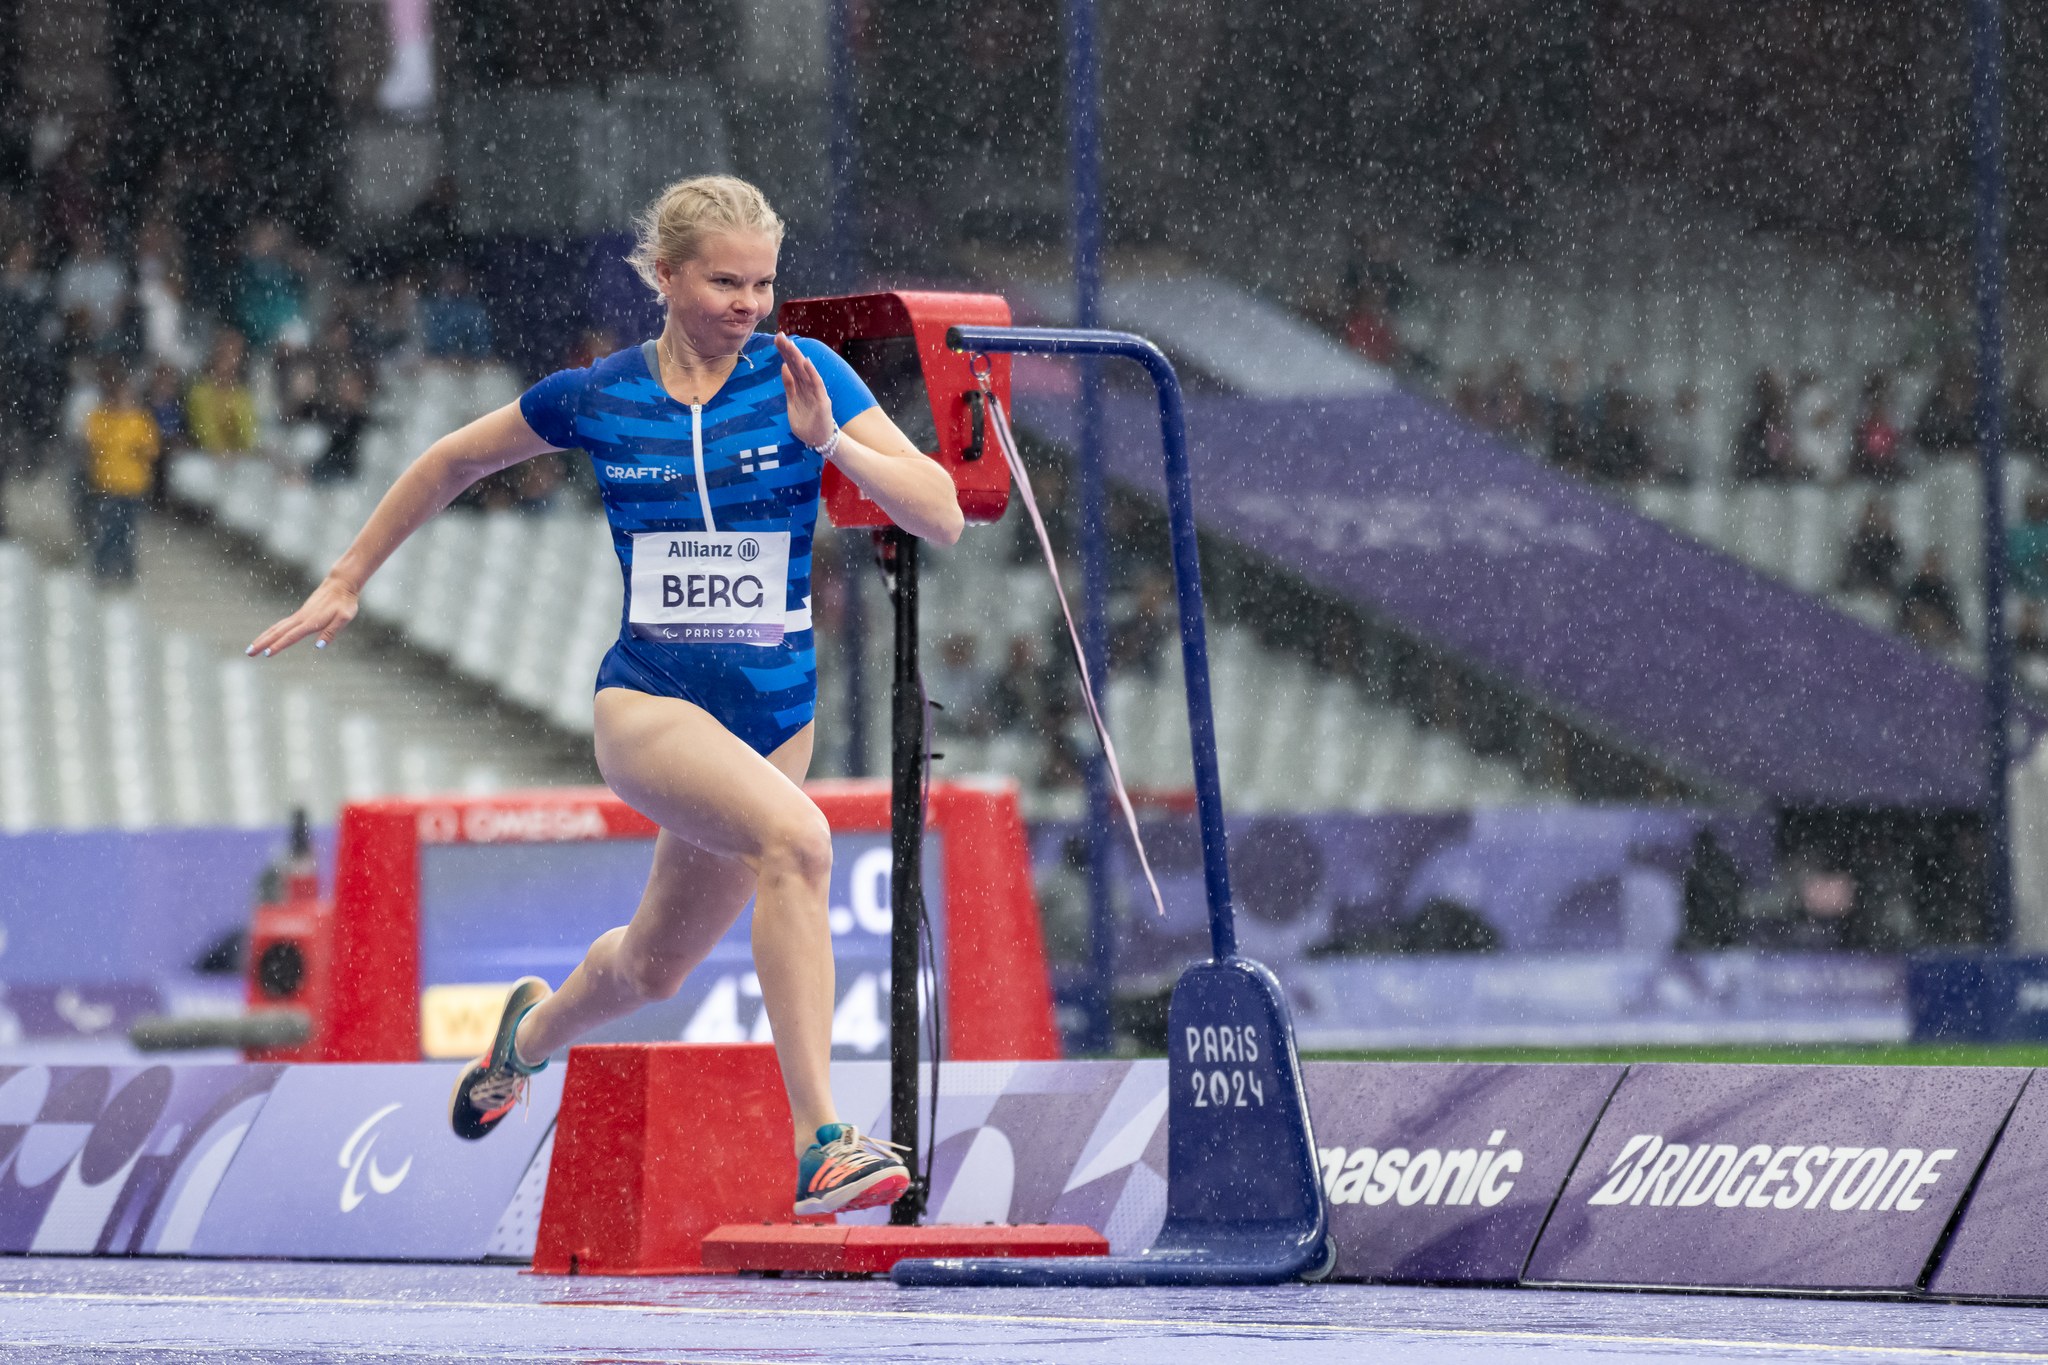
pixel 1244 1201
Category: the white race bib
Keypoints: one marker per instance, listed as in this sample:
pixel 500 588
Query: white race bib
pixel 710 587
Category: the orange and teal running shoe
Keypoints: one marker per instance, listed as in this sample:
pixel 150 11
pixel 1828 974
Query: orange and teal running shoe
pixel 844 1170
pixel 492 1086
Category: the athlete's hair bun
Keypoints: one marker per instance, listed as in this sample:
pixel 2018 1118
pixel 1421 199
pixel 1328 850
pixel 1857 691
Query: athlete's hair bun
pixel 676 224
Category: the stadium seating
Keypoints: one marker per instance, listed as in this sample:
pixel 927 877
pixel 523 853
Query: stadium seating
pixel 1707 307
pixel 105 720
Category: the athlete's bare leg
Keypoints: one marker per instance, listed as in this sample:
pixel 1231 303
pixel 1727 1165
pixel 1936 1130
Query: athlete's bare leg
pixel 733 824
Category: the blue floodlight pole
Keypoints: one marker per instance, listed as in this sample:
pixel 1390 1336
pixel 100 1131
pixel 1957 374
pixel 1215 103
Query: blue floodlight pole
pixel 843 213
pixel 1084 150
pixel 1187 576
pixel 1987 154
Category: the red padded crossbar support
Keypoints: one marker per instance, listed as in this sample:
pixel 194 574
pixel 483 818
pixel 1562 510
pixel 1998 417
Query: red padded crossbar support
pixel 836 1250
pixel 966 449
pixel 997 993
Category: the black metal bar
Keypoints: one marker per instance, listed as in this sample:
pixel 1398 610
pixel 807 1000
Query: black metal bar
pixel 906 877
pixel 1987 150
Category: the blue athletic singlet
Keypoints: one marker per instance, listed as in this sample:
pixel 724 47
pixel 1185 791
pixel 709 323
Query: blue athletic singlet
pixel 711 509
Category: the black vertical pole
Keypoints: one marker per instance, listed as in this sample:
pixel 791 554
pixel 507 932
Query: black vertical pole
pixel 906 877
pixel 1987 154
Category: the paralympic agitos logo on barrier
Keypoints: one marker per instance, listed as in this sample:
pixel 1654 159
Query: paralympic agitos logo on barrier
pixel 1652 1172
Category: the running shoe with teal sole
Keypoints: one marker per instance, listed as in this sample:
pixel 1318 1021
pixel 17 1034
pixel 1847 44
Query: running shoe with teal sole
pixel 492 1086
pixel 845 1170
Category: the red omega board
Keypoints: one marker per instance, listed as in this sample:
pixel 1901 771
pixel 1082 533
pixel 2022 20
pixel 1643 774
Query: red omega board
pixel 364 990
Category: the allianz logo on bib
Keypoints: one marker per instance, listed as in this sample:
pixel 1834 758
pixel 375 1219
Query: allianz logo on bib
pixel 1665 1175
pixel 358 1158
pixel 1459 1177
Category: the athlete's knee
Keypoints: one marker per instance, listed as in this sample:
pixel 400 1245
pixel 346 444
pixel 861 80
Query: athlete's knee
pixel 650 975
pixel 798 844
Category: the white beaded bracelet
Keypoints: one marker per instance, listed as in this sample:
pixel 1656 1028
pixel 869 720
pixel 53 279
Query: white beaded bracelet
pixel 831 443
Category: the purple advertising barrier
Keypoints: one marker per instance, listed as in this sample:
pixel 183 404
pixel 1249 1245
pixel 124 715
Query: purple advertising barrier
pixel 1995 1251
pixel 1444 1172
pixel 118 1160
pixel 1035 1142
pixel 358 1162
pixel 1729 675
pixel 1818 1178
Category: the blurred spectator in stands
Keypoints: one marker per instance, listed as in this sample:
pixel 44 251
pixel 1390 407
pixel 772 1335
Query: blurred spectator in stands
pixel 2027 411
pixel 1947 422
pixel 591 345
pixel 537 483
pixel 1713 896
pixel 1930 611
pixel 2030 636
pixel 1877 451
pixel 1679 435
pixel 165 398
pixel 92 283
pixel 121 449
pixel 1564 426
pixel 270 284
pixel 169 331
pixel 1874 554
pixel 432 231
pixel 1376 261
pixel 220 412
pixel 1619 452
pixel 2026 547
pixel 1138 642
pixel 393 329
pixel 1468 397
pixel 208 210
pixel 1017 701
pixel 32 397
pixel 963 687
pixel 1369 324
pixel 1763 449
pixel 454 326
pixel 1512 410
pixel 73 203
pixel 1820 436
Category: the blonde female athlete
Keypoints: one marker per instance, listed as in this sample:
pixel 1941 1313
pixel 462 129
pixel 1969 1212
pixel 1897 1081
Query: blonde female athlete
pixel 709 442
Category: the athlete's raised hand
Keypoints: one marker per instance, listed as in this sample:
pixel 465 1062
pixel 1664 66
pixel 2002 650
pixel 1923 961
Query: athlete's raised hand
pixel 810 406
pixel 331 607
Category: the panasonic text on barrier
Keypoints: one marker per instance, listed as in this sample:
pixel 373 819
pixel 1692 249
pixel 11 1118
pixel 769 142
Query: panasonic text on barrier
pixel 1458 1177
pixel 1650 1171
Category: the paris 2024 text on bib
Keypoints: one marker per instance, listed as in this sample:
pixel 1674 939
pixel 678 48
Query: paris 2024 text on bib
pixel 710 587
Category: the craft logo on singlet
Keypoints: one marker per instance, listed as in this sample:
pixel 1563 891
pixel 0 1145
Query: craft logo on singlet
pixel 1651 1172
pixel 1457 1177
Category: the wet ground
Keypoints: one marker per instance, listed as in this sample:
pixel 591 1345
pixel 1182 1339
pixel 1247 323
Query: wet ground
pixel 61 1309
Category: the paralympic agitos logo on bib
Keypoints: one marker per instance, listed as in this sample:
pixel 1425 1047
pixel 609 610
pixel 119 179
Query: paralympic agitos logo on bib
pixel 1815 1176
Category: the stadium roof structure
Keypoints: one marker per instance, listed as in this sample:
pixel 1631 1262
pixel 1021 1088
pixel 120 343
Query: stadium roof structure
pixel 1730 678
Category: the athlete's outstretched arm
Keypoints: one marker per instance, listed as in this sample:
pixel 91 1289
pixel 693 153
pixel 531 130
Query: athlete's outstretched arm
pixel 495 441
pixel 912 488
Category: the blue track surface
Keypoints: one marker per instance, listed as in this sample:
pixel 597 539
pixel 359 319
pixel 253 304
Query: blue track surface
pixel 164 1311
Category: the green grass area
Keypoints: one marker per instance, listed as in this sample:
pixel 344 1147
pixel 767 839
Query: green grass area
pixel 1882 1054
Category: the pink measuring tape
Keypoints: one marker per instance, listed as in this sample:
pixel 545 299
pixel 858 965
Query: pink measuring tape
pixel 999 422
